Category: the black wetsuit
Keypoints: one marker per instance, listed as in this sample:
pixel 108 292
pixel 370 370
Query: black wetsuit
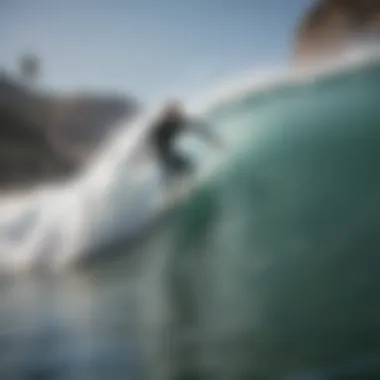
pixel 163 138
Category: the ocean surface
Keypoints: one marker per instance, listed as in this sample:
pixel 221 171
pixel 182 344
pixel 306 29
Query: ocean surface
pixel 268 269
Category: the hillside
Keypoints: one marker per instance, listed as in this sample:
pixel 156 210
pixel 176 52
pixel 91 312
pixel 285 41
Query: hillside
pixel 45 136
pixel 331 26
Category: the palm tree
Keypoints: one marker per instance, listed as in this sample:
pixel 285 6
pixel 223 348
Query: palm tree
pixel 29 68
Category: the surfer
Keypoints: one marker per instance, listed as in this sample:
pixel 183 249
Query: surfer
pixel 166 129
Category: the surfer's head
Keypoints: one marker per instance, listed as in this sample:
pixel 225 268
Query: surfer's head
pixel 174 110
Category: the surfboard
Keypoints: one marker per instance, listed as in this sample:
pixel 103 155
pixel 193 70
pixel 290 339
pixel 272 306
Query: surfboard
pixel 180 190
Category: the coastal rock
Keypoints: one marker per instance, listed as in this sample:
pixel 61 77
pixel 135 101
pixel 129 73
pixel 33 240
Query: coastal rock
pixel 330 27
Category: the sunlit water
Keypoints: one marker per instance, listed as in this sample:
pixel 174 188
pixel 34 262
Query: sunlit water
pixel 268 270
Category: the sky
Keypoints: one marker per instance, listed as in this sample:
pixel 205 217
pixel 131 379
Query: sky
pixel 148 48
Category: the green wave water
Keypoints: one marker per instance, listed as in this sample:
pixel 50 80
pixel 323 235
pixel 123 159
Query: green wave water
pixel 271 268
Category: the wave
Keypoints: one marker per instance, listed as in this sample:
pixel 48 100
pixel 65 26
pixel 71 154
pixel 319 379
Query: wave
pixel 110 201
pixel 269 270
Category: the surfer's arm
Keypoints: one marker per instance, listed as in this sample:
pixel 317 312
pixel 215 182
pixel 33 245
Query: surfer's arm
pixel 205 130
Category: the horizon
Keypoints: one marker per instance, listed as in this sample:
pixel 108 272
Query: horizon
pixel 145 49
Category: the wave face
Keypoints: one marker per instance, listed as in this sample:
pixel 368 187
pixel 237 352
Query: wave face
pixel 270 265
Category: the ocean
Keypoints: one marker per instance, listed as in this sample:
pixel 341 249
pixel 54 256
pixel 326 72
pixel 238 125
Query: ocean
pixel 268 269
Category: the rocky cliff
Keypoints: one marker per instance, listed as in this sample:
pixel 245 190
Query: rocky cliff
pixel 44 136
pixel 331 26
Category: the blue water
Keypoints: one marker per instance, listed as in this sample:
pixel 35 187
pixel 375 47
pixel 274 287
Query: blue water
pixel 269 269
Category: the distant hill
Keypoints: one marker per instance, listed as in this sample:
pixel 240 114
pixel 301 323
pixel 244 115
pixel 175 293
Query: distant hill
pixel 45 136
pixel 330 26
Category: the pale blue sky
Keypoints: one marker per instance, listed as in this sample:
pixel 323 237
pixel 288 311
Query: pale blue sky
pixel 147 47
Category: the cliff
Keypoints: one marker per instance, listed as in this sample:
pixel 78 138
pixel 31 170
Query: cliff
pixel 331 26
pixel 45 136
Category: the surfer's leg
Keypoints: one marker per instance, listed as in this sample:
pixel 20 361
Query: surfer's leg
pixel 182 171
pixel 182 165
pixel 168 170
pixel 175 169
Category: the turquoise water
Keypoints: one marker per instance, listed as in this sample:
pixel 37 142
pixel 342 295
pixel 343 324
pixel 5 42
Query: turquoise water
pixel 274 261
pixel 270 269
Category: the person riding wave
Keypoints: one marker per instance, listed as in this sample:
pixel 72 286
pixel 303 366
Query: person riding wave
pixel 170 124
